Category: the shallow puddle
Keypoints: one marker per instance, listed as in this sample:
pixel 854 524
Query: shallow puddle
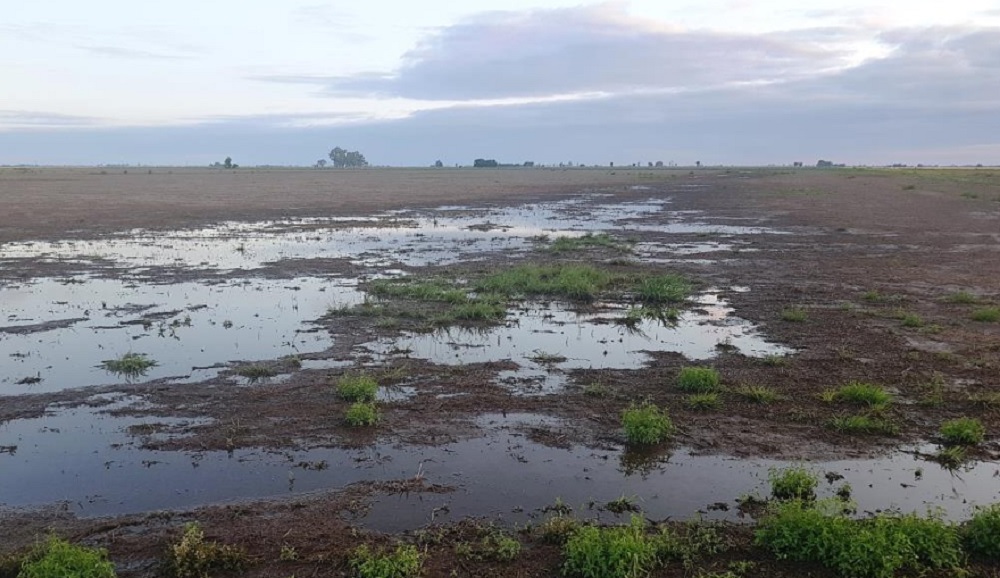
pixel 87 460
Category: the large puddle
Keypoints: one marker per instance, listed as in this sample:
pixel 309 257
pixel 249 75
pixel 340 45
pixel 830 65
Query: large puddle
pixel 93 463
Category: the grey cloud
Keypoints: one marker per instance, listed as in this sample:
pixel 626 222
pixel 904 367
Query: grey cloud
pixel 28 118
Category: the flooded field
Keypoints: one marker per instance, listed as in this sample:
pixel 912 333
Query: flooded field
pixel 505 340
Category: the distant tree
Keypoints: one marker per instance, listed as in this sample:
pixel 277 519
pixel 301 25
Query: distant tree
pixel 612 164
pixel 228 163
pixel 438 164
pixel 824 164
pixel 697 163
pixel 485 163
pixel 659 163
pixel 529 163
pixel 650 165
pixel 320 163
pixel 343 158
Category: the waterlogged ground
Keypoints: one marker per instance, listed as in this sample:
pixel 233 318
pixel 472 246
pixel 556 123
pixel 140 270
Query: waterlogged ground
pixel 252 323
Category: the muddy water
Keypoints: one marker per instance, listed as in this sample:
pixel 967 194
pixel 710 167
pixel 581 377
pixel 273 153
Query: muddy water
pixel 86 460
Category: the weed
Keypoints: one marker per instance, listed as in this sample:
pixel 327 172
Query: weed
pixel 621 505
pixel 951 458
pixel 580 282
pixel 858 393
pixel 476 310
pixel 587 241
pixel 614 552
pixel 362 414
pixel 878 297
pixel 981 534
pixel 873 548
pixel 194 557
pixel 357 387
pixel 757 394
pixel 864 425
pixel 913 320
pixel 962 298
pixel 130 365
pixel 794 314
pixel 703 401
pixel 986 314
pixel 597 389
pixel 496 546
pixel 60 559
pixel 933 392
pixel 544 357
pixel 774 360
pixel 432 291
pixel 844 492
pixel 557 529
pixel 698 379
pixel 662 289
pixel 646 424
pixel 964 431
pixel 795 483
pixel 970 195
pixel 636 315
pixel 288 553
pixel 987 400
pixel 403 562
pixel 256 372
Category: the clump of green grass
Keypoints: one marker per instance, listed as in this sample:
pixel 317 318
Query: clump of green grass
pixel 877 547
pixel 57 558
pixel 962 298
pixel 695 379
pixel 913 320
pixel 703 401
pixel 757 394
pixel 636 315
pixel 195 557
pixel 579 282
pixel 557 529
pixel 875 296
pixel 477 310
pixel 858 393
pixel 418 290
pixel 586 241
pixel 256 372
pixel 597 389
pixel 864 425
pixel 357 387
pixel 362 414
pixel 981 534
pixel 964 431
pixel 544 357
pixel 613 552
pixel 951 458
pixel 130 365
pixel 663 289
pixel 794 314
pixel 795 483
pixel 646 424
pixel 405 561
pixel 496 546
pixel 986 314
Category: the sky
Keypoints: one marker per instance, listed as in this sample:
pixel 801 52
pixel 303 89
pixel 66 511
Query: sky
pixel 281 82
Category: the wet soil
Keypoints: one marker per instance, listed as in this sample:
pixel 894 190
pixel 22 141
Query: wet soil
pixel 855 252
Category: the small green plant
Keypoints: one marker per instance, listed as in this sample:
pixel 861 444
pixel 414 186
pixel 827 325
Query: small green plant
pixel 951 458
pixel 794 314
pixel 194 557
pixel 858 393
pixel 362 414
pixel 130 365
pixel 256 373
pixel 586 241
pixel 962 298
pixel 964 431
pixel 403 562
pixel 496 545
pixel 614 552
pixel 579 282
pixel 757 394
pixel 557 529
pixel 913 320
pixel 864 425
pixel 986 314
pixel 663 289
pixel 698 379
pixel 57 558
pixel 703 401
pixel 774 360
pixel 596 389
pixel 288 553
pixel 646 424
pixel 357 387
pixel 795 483
pixel 981 534
pixel 544 357
pixel 622 504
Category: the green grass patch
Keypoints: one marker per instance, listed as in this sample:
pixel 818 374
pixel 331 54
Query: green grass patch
pixel 952 457
pixel 703 401
pixel 695 379
pixel 913 320
pixel 587 241
pixel 612 552
pixel 858 393
pixel 981 534
pixel 986 314
pixel 130 365
pixel 665 315
pixel 964 431
pixel 962 298
pixel 877 547
pixel 864 425
pixel 405 561
pixel 646 424
pixel 757 394
pixel 435 290
pixel 57 558
pixel 597 389
pixel 256 372
pixel 794 315
pixel 477 310
pixel 578 282
pixel 795 483
pixel 495 546
pixel 362 414
pixel 774 360
pixel 663 289
pixel 357 387
pixel 194 557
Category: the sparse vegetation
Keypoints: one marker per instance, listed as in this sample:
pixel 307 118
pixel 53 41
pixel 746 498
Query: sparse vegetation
pixel 951 458
pixel 698 379
pixel 794 314
pixel 858 393
pixel 864 425
pixel 613 552
pixel 130 365
pixel 646 424
pixel 986 314
pixel 757 394
pixel 403 562
pixel 579 282
pixel 496 546
pixel 795 483
pixel 195 557
pixel 703 401
pixel 357 387
pixel 57 558
pixel 362 414
pixel 663 289
pixel 962 298
pixel 913 320
pixel 587 241
pixel 256 372
pixel 965 431
pixel 981 534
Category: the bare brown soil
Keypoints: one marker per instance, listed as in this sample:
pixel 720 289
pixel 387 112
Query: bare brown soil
pixel 866 249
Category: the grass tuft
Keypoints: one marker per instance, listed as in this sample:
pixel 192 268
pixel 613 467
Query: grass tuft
pixel 613 552
pixel 663 289
pixel 579 282
pixel 951 458
pixel 981 534
pixel 986 314
pixel 256 372
pixel 964 431
pixel 858 393
pixel 864 425
pixel 757 394
pixel 794 314
pixel 60 559
pixel 362 414
pixel 703 401
pixel 194 557
pixel 130 365
pixel 587 241
pixel 646 424
pixel 962 298
pixel 357 387
pixel 698 379
pixel 795 483
pixel 405 561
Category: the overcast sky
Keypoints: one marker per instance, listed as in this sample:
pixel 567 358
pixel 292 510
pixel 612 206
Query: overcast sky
pixel 408 83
